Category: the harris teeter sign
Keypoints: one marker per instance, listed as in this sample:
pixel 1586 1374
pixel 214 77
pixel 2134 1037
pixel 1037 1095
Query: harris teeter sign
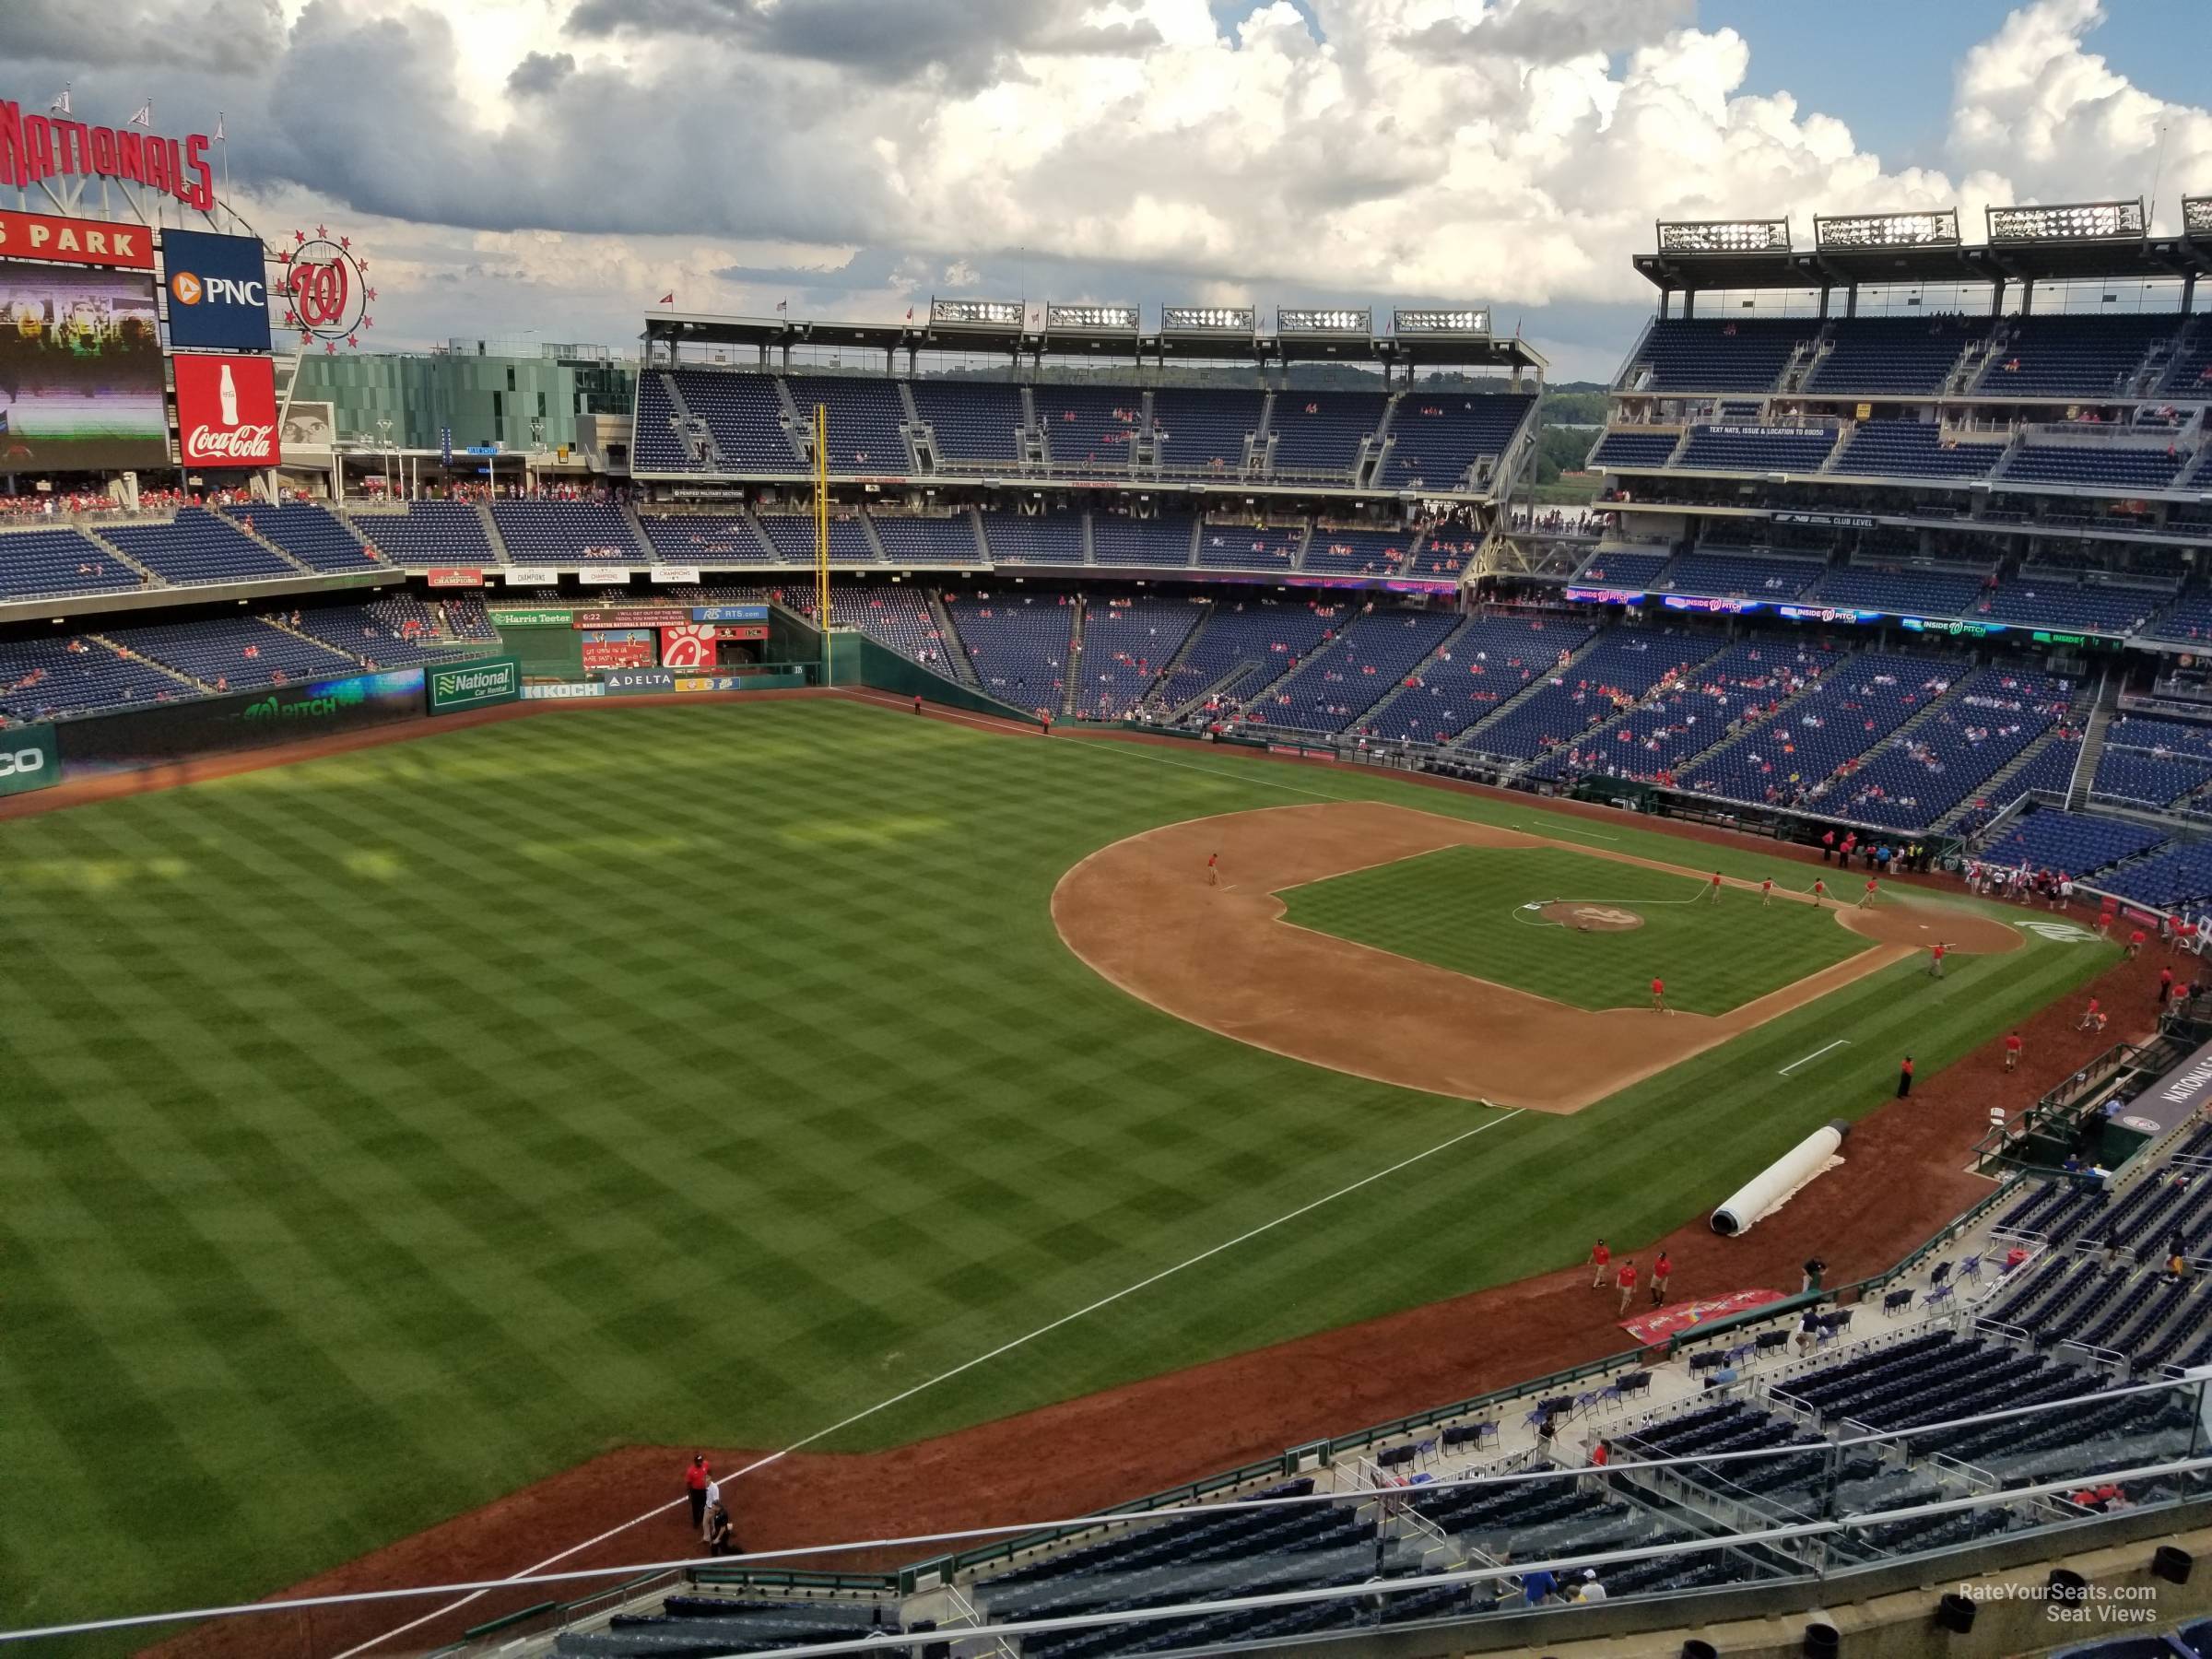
pixel 474 684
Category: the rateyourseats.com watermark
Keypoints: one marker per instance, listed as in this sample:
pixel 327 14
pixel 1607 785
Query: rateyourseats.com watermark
pixel 2077 1604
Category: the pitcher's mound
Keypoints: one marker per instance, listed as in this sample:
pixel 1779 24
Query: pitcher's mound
pixel 1590 918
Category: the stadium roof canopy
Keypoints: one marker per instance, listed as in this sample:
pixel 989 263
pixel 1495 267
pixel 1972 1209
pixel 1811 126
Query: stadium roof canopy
pixel 2084 241
pixel 1457 339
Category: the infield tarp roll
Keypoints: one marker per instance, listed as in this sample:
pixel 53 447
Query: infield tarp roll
pixel 1778 1180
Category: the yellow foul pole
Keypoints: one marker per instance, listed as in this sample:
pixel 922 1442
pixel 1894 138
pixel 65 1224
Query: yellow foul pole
pixel 821 531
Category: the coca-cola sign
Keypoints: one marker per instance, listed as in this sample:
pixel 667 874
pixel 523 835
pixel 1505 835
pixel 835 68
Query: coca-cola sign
pixel 226 411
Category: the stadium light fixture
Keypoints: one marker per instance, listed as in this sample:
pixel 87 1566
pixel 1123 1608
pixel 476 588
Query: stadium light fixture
pixel 1938 229
pixel 2197 215
pixel 1324 319
pixel 1122 319
pixel 1208 319
pixel 1724 236
pixel 991 313
pixel 1460 320
pixel 2068 221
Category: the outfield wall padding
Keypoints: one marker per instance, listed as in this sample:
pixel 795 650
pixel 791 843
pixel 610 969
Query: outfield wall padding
pixel 856 660
pixel 166 733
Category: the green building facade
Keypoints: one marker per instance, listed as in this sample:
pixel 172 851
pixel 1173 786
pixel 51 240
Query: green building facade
pixel 485 391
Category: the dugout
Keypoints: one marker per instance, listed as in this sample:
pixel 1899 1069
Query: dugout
pixel 2129 1098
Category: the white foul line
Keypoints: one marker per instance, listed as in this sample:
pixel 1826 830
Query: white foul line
pixel 1793 1066
pixel 1004 1347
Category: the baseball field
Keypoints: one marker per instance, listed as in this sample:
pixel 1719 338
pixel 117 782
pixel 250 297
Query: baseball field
pixel 386 1132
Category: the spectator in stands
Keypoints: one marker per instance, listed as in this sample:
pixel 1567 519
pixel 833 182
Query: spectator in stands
pixel 1808 1331
pixel 696 1474
pixel 1591 1591
pixel 1539 1586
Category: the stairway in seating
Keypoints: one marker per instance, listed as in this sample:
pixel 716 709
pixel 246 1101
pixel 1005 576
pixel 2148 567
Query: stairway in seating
pixel 238 522
pixel 1417 672
pixel 1071 677
pixel 1175 662
pixel 1992 788
pixel 956 648
pixel 2092 745
pixel 491 533
pixel 1557 671
pixel 145 575
pixel 176 673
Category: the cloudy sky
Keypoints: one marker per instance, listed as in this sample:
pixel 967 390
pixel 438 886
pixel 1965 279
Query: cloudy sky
pixel 557 165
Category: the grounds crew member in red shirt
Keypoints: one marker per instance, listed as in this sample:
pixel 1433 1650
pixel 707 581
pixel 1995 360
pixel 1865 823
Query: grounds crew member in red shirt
pixel 1659 994
pixel 1819 893
pixel 1868 900
pixel 1935 959
pixel 2165 986
pixel 1661 1270
pixel 1626 1279
pixel 1713 892
pixel 697 1472
pixel 1213 869
pixel 1904 1078
pixel 1600 1259
pixel 1765 890
pixel 2012 1051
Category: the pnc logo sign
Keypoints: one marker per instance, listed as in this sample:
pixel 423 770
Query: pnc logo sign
pixel 186 288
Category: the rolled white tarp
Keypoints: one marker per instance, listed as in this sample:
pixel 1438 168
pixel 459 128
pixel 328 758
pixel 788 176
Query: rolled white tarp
pixel 1765 1192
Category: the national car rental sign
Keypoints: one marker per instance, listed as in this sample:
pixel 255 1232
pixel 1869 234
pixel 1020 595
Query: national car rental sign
pixel 226 411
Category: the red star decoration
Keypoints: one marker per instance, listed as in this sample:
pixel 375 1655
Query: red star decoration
pixel 284 256
pixel 329 349
pixel 371 292
pixel 291 319
pixel 361 266
pixel 306 338
pixel 353 340
pixel 323 231
pixel 345 242
pixel 299 236
pixel 368 320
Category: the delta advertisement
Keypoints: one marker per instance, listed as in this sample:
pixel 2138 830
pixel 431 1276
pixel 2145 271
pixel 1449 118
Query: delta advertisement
pixel 80 371
pixel 137 738
pixel 226 411
pixel 217 289
pixel 28 759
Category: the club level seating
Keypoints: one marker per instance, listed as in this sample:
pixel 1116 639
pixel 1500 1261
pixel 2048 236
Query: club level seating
pixel 309 533
pixel 2188 619
pixel 1019 645
pixel 1437 438
pixel 1058 538
pixel 2095 467
pixel 2179 874
pixel 1989 718
pixel 2141 779
pixel 376 635
pixel 2070 356
pixel 1622 450
pixel 1119 539
pixel 1471 675
pixel 745 416
pixel 198 547
pixel 1089 430
pixel 1126 643
pixel 928 541
pixel 2168 737
pixel 865 415
pixel 1914 449
pixel 1727 576
pixel 233 654
pixel 975 422
pixel 2077 842
pixel 791 536
pixel 1203 429
pixel 1320 434
pixel 2190 374
pixel 1620 568
pixel 1752 449
pixel 429 534
pixel 1441 555
pixel 712 541
pixel 2046 602
pixel 1250 546
pixel 54 678
pixel 1897 357
pixel 466 619
pixel 1695 355
pixel 1358 552
pixel 1899 593
pixel 564 532
pixel 1622 665
pixel 1746 681
pixel 1790 758
pixel 1264 637
pixel 1370 658
pixel 705 1627
pixel 36 563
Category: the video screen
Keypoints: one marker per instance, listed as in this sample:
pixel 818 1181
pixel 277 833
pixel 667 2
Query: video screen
pixel 80 370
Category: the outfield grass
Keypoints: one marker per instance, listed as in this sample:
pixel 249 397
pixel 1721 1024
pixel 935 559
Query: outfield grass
pixel 1468 909
pixel 386 1133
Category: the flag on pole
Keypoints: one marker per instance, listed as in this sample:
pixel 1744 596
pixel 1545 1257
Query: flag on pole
pixel 668 299
pixel 60 106
pixel 145 115
pixel 783 305
pixel 909 313
pixel 218 126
